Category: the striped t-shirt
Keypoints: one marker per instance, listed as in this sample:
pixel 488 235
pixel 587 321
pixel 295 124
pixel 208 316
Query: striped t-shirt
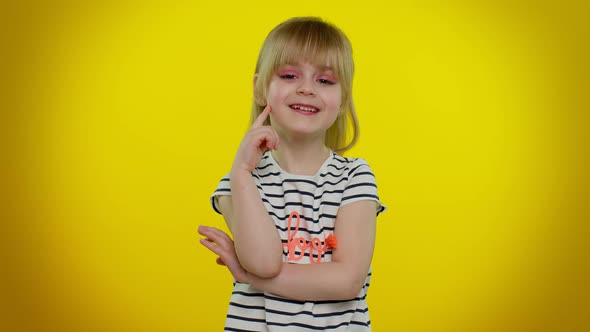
pixel 303 208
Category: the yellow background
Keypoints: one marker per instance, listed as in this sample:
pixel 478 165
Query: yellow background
pixel 120 117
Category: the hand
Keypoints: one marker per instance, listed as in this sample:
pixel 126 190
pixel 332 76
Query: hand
pixel 221 244
pixel 257 140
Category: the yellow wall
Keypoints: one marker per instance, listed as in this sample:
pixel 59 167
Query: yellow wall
pixel 121 118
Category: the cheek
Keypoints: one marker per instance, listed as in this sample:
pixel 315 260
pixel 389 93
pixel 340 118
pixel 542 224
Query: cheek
pixel 272 95
pixel 271 100
pixel 276 99
pixel 335 101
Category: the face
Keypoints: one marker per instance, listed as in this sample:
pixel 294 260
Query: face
pixel 305 99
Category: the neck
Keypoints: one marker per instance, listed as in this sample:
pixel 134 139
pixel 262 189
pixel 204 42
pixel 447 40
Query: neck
pixel 301 159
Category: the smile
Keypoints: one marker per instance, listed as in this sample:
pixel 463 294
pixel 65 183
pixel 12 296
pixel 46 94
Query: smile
pixel 304 108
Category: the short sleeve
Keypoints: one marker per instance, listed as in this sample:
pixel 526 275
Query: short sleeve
pixel 223 189
pixel 361 185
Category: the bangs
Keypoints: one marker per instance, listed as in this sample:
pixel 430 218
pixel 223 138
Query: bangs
pixel 314 46
pixel 310 41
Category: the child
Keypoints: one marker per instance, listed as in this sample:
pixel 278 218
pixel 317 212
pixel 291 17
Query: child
pixel 302 217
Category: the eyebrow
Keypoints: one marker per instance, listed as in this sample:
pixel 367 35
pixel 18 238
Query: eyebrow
pixel 320 67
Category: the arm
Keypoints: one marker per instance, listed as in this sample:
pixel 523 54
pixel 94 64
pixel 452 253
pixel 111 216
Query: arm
pixel 341 279
pixel 257 242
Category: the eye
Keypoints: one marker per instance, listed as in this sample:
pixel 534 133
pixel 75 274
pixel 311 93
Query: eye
pixel 287 76
pixel 326 81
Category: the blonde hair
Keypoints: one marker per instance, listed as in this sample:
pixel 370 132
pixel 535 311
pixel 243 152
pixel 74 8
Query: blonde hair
pixel 319 42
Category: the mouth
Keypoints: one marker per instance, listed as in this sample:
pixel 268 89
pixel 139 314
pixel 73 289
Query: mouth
pixel 306 109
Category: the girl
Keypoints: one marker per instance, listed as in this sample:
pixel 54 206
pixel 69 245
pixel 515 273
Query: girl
pixel 302 217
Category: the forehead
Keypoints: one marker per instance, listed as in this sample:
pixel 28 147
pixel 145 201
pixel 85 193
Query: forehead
pixel 323 59
pixel 301 64
pixel 317 57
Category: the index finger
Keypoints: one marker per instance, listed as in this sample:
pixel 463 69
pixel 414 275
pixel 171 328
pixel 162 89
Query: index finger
pixel 262 117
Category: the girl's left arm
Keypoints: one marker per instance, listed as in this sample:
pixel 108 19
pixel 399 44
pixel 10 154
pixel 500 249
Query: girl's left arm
pixel 340 279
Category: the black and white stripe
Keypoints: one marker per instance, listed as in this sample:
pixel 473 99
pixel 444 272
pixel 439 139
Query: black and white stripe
pixel 339 181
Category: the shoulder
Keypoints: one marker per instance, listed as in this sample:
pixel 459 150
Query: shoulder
pixel 351 165
pixel 361 184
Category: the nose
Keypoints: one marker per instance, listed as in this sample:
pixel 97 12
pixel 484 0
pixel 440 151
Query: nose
pixel 305 88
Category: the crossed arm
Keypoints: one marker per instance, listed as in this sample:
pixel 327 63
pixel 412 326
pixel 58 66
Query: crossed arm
pixel 340 279
pixel 257 244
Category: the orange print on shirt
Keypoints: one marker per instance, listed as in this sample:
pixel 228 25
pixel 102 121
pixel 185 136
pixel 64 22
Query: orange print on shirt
pixel 304 245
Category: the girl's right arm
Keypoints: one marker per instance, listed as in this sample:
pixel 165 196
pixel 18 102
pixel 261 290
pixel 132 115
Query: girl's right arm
pixel 257 242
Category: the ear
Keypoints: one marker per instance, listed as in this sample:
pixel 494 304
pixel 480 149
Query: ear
pixel 258 98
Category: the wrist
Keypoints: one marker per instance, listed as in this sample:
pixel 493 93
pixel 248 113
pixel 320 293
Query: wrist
pixel 249 278
pixel 239 177
pixel 237 171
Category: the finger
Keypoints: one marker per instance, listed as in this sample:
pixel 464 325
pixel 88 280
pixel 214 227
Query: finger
pixel 277 139
pixel 203 230
pixel 217 239
pixel 220 261
pixel 262 117
pixel 217 235
pixel 266 138
pixel 211 246
pixel 211 233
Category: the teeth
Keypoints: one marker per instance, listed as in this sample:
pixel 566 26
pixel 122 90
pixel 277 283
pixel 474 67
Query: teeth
pixel 304 108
